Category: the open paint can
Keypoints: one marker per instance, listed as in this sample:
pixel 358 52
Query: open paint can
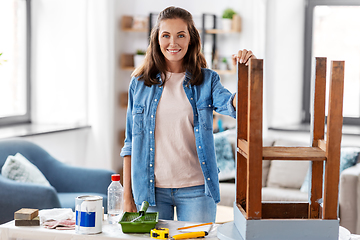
pixel 88 210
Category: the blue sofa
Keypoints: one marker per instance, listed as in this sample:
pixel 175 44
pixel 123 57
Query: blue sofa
pixel 67 182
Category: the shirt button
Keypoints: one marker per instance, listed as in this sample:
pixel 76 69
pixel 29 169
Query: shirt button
pixel 152 180
pixel 150 132
pixel 203 163
pixel 159 86
pixel 196 115
pixel 155 100
pixel 151 165
pixel 197 130
pixel 152 116
pixel 207 179
pixel 151 149
pixel 209 105
pixel 199 146
pixel 191 98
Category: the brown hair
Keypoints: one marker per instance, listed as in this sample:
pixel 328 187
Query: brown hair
pixel 154 59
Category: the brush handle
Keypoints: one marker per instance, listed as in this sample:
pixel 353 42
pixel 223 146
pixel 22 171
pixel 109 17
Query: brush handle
pixel 144 207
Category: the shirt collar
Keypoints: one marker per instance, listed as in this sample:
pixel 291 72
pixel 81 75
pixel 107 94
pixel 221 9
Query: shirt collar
pixel 186 79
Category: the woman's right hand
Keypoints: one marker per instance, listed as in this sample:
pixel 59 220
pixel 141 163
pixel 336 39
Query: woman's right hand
pixel 129 205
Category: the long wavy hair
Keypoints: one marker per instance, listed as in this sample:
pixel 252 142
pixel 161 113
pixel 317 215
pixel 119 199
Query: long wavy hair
pixel 155 63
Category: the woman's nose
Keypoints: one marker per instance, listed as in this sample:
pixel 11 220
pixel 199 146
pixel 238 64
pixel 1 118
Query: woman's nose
pixel 172 41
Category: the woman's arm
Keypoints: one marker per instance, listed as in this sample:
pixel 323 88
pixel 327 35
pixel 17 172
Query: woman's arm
pixel 234 101
pixel 129 204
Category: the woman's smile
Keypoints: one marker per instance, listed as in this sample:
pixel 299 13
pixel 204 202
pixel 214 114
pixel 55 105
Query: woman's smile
pixel 173 51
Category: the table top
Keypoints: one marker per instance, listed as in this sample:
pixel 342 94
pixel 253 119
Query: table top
pixel 109 231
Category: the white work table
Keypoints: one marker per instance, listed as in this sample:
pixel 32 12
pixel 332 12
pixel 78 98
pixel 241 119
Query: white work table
pixel 9 231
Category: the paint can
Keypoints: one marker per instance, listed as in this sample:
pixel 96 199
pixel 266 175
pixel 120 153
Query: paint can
pixel 88 211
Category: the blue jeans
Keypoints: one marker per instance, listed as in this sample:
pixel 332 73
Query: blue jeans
pixel 191 204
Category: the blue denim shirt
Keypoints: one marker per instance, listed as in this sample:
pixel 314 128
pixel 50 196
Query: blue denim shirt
pixel 140 128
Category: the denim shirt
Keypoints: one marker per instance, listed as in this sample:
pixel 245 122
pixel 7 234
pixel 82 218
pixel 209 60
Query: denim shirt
pixel 140 128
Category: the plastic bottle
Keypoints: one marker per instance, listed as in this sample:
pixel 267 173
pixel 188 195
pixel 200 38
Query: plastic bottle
pixel 115 199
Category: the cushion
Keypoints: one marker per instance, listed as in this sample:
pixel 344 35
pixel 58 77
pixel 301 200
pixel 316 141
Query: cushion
pixel 224 156
pixel 283 194
pixel 287 174
pixel 231 136
pixel 349 156
pixel 19 169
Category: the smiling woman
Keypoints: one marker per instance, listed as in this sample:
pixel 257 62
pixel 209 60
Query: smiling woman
pixel 169 155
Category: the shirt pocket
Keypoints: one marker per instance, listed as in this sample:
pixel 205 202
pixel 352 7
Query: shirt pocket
pixel 205 111
pixel 138 119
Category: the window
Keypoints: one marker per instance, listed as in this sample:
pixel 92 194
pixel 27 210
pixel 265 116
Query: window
pixel 332 31
pixel 14 68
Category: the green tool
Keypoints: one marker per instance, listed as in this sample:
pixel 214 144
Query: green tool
pixel 144 207
pixel 144 224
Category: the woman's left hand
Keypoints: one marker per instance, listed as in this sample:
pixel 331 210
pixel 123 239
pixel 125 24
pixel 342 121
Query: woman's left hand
pixel 243 56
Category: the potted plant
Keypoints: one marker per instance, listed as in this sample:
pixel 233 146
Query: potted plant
pixel 139 57
pixel 227 19
pixel 224 64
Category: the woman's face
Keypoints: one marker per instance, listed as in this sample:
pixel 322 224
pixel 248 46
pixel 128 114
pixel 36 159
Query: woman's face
pixel 174 40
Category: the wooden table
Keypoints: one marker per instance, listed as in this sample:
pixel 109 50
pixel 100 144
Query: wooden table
pixel 9 231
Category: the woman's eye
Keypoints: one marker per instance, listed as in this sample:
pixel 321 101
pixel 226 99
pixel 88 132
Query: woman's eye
pixel 166 36
pixel 181 35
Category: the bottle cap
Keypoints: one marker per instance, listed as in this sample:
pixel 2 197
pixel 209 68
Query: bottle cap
pixel 115 177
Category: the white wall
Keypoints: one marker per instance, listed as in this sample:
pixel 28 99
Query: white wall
pixel 284 61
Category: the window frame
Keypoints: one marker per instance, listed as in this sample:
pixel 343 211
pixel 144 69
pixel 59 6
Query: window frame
pixel 308 61
pixel 25 118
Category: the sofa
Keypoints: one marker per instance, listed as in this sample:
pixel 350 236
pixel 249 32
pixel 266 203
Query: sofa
pixel 288 180
pixel 55 185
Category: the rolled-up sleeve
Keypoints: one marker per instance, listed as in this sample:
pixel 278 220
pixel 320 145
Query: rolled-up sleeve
pixel 126 150
pixel 230 106
pixel 222 97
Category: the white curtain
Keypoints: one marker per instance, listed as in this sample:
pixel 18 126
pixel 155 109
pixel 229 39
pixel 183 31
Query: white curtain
pixel 100 35
pixel 73 78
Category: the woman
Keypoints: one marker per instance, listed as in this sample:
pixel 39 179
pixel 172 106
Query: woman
pixel 169 156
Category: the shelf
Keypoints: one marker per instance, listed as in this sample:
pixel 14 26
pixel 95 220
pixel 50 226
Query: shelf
pixel 220 31
pixel 127 61
pixel 135 30
pixel 128 68
pixel 131 24
pixel 123 100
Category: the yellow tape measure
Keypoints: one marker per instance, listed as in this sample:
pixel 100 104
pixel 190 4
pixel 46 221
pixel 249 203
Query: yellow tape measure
pixel 159 233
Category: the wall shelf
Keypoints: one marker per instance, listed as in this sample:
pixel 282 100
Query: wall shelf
pixel 135 30
pixel 127 62
pixel 129 24
pixel 220 31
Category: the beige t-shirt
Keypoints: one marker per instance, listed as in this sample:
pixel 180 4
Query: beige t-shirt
pixel 176 161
